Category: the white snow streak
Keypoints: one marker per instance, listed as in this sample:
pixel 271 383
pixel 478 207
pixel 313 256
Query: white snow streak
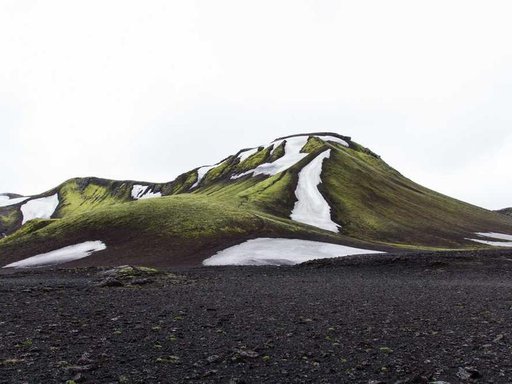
pixel 201 172
pixel 291 157
pixel 141 192
pixel 311 207
pixel 293 146
pixel 62 255
pixel 42 208
pixel 247 153
pixel 334 139
pixel 267 251
pixel 507 239
pixel 6 201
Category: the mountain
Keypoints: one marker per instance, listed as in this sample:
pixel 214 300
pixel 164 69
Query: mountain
pixel 318 187
pixel 505 211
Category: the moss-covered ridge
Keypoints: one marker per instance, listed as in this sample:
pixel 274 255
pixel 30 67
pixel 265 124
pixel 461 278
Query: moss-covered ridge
pixel 375 205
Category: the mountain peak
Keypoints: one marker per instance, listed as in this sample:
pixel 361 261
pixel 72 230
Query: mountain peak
pixel 319 186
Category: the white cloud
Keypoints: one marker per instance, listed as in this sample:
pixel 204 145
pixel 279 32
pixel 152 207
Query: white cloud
pixel 125 89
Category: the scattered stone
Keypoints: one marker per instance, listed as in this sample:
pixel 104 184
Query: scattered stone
pixel 499 338
pixel 467 373
pixel 110 282
pixel 74 369
pixel 212 359
pixel 246 353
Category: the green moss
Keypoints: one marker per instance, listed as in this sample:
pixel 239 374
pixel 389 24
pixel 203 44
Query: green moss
pixel 254 160
pixel 277 153
pixel 29 228
pixel 218 172
pixel 76 200
pixel 374 202
pixel 314 144
pixel 9 218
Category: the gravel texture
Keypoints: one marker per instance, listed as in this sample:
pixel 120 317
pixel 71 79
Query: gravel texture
pixel 420 318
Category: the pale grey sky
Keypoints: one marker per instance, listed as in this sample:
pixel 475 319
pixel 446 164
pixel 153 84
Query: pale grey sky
pixel 149 89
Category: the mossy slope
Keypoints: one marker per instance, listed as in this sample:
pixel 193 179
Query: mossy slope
pixel 375 205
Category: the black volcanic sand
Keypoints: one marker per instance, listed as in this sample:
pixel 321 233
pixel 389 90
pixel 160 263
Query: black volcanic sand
pixel 375 319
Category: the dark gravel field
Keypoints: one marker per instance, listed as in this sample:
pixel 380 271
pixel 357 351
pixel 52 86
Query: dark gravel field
pixel 424 318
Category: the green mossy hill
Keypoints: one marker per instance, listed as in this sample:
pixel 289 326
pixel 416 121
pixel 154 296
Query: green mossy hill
pixel 178 230
pixel 373 203
pixel 81 195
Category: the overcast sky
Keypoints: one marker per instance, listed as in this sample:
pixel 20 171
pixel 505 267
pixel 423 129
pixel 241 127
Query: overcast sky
pixel 146 90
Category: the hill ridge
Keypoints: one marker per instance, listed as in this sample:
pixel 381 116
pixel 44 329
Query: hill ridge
pixel 368 202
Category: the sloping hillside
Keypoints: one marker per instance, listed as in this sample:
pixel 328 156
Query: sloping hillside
pixel 320 186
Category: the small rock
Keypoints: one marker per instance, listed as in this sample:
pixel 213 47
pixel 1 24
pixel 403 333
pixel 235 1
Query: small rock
pixel 79 368
pixel 110 282
pixel 498 338
pixel 467 373
pixel 247 353
pixel 213 358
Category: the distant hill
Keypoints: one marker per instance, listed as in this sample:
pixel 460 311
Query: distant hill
pixel 505 211
pixel 320 186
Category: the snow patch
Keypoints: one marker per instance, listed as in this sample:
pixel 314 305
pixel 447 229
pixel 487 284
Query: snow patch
pixel 292 148
pixel 334 139
pixel 506 239
pixel 6 201
pixel 267 251
pixel 143 192
pixel 201 172
pixel 62 255
pixel 42 208
pixel 311 207
pixel 291 157
pixel 247 153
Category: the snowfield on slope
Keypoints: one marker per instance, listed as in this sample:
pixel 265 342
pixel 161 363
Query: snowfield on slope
pixel 42 208
pixel 311 207
pixel 62 255
pixel 506 240
pixel 269 251
pixel 143 192
pixel 292 156
pixel 6 201
pixel 201 172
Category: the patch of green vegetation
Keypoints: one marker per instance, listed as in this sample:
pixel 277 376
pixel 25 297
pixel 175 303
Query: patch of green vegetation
pixel 9 218
pixel 75 199
pixel 277 153
pixel 218 172
pixel 314 144
pixel 275 194
pixel 27 343
pixel 29 228
pixel 373 202
pixel 254 160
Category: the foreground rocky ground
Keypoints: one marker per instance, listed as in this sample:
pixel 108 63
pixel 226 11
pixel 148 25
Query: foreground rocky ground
pixel 379 319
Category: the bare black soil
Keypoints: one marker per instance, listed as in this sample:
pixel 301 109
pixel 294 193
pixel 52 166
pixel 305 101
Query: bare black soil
pixel 378 319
